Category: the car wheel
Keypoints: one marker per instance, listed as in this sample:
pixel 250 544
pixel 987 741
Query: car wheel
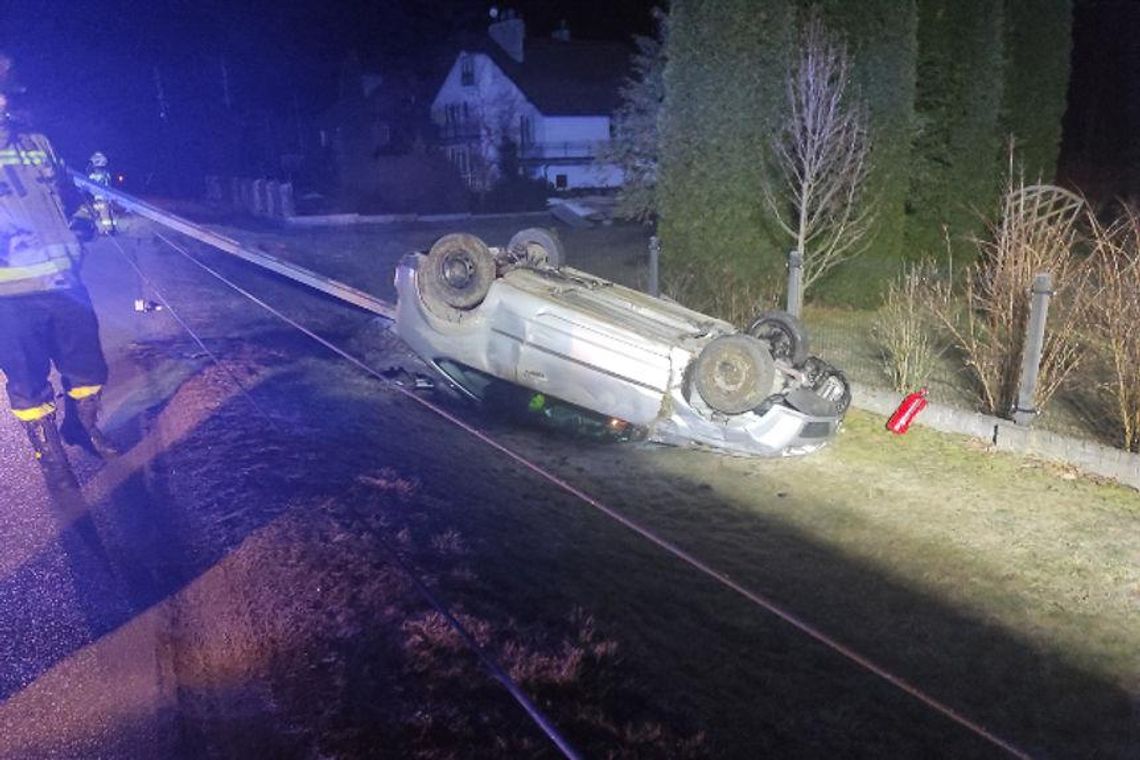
pixel 734 373
pixel 535 247
pixel 833 386
pixel 784 334
pixel 458 272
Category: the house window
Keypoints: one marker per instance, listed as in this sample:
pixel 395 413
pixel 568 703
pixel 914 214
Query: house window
pixel 461 160
pixel 560 181
pixel 526 131
pixel 457 114
pixel 381 133
pixel 467 71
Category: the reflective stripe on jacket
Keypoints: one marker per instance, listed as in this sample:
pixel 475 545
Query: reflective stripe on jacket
pixel 38 251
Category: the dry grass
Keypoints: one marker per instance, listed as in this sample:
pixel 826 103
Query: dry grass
pixel 409 679
pixel 1026 572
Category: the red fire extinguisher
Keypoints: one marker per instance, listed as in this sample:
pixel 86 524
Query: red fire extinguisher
pixel 900 421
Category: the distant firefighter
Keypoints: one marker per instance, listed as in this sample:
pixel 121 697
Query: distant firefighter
pixel 97 169
pixel 101 211
pixel 46 315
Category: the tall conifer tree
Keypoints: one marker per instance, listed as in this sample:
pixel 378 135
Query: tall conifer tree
pixel 1038 42
pixel 724 88
pixel 956 164
pixel 882 38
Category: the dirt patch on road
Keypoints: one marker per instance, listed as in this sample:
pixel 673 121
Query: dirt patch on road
pixel 306 636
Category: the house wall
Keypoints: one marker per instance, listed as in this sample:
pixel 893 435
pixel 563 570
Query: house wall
pixel 576 128
pixel 559 146
pixel 494 107
pixel 577 176
pixel 566 146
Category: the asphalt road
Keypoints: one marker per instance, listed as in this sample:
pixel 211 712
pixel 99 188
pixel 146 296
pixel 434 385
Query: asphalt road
pixel 91 597
pixel 79 671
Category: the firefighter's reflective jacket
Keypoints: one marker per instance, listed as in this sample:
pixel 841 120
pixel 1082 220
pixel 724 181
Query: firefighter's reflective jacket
pixel 38 250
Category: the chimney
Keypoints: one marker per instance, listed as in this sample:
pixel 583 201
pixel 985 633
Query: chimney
pixel 509 32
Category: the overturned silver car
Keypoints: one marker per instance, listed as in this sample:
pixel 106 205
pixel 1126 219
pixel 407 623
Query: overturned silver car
pixel 480 315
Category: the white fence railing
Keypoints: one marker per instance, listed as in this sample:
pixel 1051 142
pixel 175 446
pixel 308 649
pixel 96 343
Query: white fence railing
pixel 260 197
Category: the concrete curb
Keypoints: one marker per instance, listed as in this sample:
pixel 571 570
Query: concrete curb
pixel 1004 435
pixel 341 220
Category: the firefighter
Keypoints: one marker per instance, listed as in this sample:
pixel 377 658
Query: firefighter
pixel 100 210
pixel 46 315
pixel 97 170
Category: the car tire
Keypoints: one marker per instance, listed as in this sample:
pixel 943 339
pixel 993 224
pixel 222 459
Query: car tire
pixel 536 247
pixel 834 387
pixel 829 383
pixel 457 273
pixel 734 373
pixel 783 333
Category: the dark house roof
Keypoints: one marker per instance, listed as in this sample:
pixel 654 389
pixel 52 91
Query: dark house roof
pixel 573 78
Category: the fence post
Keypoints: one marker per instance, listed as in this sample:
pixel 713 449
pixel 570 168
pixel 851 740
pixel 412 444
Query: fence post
pixel 654 263
pixel 272 198
pixel 259 197
pixel 286 204
pixel 213 189
pixel 795 283
pixel 1024 412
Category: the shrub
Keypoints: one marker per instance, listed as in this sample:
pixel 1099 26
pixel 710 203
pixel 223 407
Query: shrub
pixel 514 193
pixel 416 183
pixel 721 291
pixel 906 330
pixel 1113 317
pixel 988 322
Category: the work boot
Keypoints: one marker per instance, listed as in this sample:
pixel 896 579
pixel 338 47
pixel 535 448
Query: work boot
pixel 50 455
pixel 80 427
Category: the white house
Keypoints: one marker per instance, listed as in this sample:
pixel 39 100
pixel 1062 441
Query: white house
pixel 549 99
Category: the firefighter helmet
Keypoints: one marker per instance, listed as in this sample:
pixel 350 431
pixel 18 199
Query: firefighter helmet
pixel 98 160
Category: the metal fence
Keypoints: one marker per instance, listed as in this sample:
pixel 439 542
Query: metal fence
pixel 260 197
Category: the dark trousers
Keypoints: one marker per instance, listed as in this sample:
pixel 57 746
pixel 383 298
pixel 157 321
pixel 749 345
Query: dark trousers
pixel 38 329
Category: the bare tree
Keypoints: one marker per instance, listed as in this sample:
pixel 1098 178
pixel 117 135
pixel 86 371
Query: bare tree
pixel 822 156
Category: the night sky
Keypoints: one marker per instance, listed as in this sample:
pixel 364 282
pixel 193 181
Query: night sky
pixel 90 66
